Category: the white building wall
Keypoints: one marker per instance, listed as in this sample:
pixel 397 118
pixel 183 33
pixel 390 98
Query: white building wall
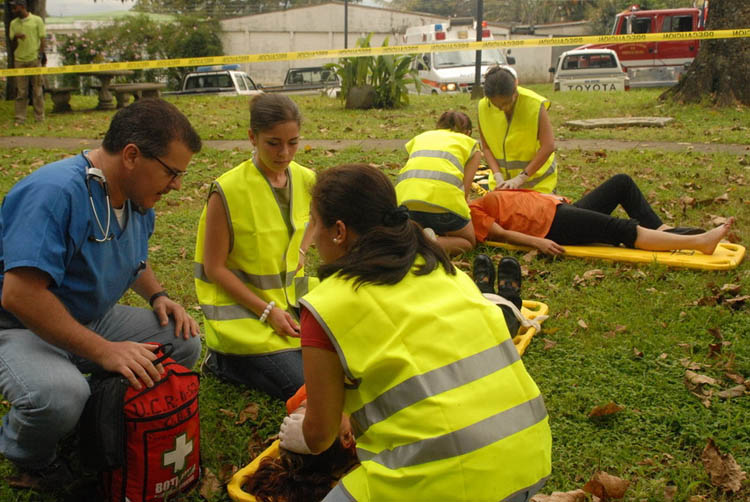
pixel 319 27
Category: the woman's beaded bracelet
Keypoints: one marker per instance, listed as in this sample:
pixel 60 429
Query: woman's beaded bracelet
pixel 267 311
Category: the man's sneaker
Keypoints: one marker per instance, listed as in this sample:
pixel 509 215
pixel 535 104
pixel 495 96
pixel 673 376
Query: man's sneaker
pixel 483 271
pixel 56 477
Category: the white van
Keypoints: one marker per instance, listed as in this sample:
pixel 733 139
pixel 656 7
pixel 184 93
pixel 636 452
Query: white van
pixel 452 71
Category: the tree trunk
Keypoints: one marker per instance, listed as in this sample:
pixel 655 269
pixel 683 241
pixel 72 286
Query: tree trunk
pixel 38 7
pixel 721 71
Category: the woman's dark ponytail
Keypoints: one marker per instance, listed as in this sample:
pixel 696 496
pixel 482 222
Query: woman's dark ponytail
pixel 363 198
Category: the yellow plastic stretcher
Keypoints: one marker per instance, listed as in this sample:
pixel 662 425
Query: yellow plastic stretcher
pixel 235 484
pixel 725 257
pixel 531 309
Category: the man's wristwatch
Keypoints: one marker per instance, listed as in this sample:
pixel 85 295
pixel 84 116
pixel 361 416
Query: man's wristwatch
pixel 156 295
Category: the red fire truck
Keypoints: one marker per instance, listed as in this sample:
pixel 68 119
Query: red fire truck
pixel 651 64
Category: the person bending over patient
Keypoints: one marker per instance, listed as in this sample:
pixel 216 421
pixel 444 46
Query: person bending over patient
pixel 547 222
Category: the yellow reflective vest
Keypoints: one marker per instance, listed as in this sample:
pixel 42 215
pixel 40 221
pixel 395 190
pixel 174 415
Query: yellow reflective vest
pixel 261 253
pixel 433 178
pixel 515 144
pixel 441 405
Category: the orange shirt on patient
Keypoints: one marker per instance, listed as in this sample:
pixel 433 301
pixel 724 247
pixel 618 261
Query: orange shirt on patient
pixel 524 211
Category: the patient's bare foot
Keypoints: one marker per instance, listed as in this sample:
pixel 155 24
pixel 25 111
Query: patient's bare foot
pixel 706 243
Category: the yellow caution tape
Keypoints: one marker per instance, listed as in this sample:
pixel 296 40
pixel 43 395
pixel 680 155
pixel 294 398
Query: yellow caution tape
pixel 377 51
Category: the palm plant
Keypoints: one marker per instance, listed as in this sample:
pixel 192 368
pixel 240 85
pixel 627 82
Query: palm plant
pixel 388 75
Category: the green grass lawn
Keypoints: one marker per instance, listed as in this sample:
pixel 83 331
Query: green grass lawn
pixel 222 117
pixel 641 321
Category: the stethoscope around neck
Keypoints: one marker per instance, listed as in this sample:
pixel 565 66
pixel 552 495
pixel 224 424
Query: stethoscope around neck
pixel 97 174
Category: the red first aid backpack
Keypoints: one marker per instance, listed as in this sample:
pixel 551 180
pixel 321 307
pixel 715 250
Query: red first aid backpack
pixel 145 443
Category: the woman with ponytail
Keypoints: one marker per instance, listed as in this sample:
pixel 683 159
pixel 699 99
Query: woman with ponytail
pixel 435 183
pixel 405 345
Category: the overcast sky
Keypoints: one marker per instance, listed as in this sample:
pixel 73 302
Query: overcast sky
pixel 78 7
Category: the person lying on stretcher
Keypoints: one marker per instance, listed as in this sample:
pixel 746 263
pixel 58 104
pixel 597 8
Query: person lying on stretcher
pixel 548 221
pixel 296 477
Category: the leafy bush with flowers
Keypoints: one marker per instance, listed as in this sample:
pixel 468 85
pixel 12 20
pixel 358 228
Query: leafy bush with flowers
pixel 141 38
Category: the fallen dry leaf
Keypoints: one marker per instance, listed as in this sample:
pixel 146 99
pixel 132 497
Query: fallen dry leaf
pixel 608 409
pixel 686 362
pixel 583 324
pixel 669 492
pixel 722 198
pixel 593 274
pixel 724 471
pixel 226 472
pixel 697 379
pixel 529 257
pixel 736 391
pixel 619 328
pixel 606 486
pixel 637 353
pixel 574 496
pixel 548 344
pixel 210 485
pixel 731 288
pixel 735 377
pixel 250 412
pixel 227 412
pixel 663 355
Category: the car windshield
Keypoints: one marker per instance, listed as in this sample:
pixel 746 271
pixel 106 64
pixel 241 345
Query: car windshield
pixel 466 58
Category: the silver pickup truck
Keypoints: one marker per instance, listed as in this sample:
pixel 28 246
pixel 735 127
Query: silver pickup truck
pixel 225 79
pixel 308 80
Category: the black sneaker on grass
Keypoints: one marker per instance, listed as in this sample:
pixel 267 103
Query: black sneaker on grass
pixel 484 273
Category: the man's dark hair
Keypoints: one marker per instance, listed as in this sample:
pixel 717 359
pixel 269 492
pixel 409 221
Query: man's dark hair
pixel 151 124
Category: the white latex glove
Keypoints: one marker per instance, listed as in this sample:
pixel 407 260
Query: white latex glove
pixel 291 435
pixel 515 182
pixel 498 178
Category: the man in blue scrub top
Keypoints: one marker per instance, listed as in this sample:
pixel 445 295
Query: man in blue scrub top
pixel 73 238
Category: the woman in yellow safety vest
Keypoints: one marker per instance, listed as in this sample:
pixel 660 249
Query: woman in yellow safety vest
pixel 249 256
pixel 516 133
pixel 436 181
pixel 439 401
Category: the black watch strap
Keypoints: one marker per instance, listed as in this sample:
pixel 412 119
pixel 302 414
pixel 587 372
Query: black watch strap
pixel 156 295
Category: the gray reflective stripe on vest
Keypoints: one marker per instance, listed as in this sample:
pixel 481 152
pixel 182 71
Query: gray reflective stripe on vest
pixel 431 175
pixel 301 285
pixel 260 281
pixel 439 154
pixel 434 382
pixel 538 179
pixel 339 493
pixel 520 164
pixel 512 164
pixel 525 494
pixel 462 441
pixel 226 312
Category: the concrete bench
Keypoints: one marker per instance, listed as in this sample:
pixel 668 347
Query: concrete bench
pixel 137 90
pixel 60 98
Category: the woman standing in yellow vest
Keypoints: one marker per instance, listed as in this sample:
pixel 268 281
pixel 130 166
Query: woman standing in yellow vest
pixel 441 406
pixel 249 256
pixel 436 181
pixel 516 133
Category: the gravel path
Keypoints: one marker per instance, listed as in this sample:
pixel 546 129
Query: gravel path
pixel 396 144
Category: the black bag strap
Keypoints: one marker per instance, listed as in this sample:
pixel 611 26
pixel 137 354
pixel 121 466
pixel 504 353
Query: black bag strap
pixel 166 351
